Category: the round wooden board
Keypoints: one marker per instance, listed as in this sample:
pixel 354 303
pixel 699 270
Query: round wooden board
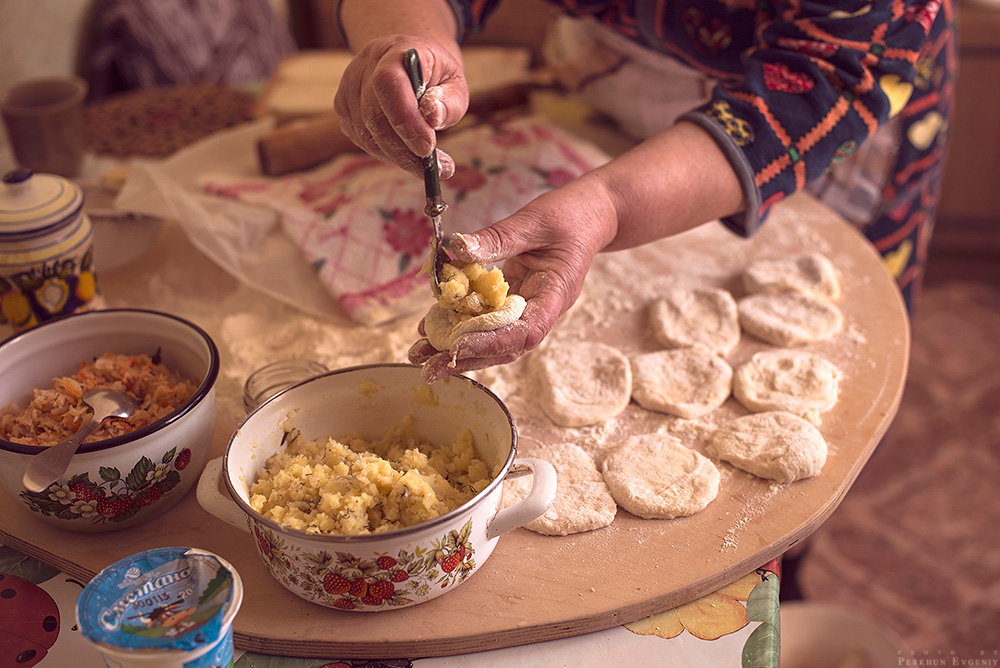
pixel 536 587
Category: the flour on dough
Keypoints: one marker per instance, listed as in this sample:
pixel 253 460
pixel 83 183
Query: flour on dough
pixel 704 317
pixel 655 476
pixel 787 380
pixel 687 382
pixel 582 502
pixel 790 318
pixel 581 382
pixel 810 273
pixel 443 326
pixel 774 445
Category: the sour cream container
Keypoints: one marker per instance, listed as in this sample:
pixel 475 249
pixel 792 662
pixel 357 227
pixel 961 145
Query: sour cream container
pixel 170 607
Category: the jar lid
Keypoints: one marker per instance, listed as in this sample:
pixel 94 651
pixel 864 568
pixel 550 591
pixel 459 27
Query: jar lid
pixel 32 202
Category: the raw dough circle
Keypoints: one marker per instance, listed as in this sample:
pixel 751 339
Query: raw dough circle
pixel 442 334
pixel 774 445
pixel 811 273
pixel 582 382
pixel 583 501
pixel 787 380
pixel 687 382
pixel 696 316
pixel 656 477
pixel 789 318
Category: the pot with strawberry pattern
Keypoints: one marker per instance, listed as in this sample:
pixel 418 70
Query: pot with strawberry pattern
pixel 392 569
pixel 125 480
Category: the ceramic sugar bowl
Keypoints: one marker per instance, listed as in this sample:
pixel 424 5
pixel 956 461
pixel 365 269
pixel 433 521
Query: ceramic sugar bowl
pixel 46 250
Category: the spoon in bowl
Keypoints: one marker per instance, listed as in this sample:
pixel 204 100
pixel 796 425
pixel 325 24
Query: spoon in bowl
pixel 49 465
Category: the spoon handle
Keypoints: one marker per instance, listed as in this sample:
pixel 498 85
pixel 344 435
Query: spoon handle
pixel 49 465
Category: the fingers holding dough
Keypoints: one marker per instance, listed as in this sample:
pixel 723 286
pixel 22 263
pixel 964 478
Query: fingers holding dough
pixel 442 332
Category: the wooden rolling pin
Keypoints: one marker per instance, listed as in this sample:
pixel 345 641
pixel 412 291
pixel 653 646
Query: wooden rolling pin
pixel 302 144
pixel 305 143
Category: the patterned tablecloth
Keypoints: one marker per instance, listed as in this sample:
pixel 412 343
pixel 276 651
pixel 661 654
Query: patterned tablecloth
pixel 736 626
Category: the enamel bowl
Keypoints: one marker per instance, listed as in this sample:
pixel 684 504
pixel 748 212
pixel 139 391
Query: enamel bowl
pixel 121 481
pixel 380 571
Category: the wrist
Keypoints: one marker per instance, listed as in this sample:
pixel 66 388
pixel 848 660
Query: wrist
pixel 433 19
pixel 604 204
pixel 669 183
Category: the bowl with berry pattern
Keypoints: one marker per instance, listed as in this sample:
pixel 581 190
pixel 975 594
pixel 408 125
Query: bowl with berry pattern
pixel 382 566
pixel 128 470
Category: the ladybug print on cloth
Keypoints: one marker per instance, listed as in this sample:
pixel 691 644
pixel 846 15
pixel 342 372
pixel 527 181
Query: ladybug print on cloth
pixel 923 14
pixel 808 47
pixel 779 76
pixel 29 622
pixel 708 35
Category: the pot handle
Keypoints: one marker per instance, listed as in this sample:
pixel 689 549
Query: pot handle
pixel 212 500
pixel 540 497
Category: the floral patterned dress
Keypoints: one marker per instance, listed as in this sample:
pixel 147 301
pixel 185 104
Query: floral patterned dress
pixel 800 92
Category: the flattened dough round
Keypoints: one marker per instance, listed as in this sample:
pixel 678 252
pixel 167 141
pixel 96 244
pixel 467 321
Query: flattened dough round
pixel 581 382
pixel 442 333
pixel 811 273
pixel 583 501
pixel 774 445
pixel 787 380
pixel 687 382
pixel 704 317
pixel 789 318
pixel 655 476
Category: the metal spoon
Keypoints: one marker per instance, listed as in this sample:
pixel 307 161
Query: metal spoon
pixel 49 465
pixel 432 182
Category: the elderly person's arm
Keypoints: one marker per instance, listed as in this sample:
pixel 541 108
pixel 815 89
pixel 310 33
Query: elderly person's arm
pixel 375 100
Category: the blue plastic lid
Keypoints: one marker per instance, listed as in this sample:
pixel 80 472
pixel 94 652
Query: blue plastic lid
pixel 172 598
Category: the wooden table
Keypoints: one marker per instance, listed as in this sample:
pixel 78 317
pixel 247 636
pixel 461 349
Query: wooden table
pixel 534 587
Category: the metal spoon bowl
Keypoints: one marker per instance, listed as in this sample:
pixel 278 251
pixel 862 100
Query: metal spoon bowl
pixel 50 465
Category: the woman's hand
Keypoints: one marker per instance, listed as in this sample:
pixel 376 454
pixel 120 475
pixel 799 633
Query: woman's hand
pixel 378 110
pixel 549 245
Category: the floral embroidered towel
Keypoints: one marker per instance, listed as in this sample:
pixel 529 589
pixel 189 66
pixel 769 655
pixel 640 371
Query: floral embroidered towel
pixel 361 225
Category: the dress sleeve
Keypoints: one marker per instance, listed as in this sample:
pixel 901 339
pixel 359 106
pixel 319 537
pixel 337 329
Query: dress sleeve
pixel 818 81
pixel 471 15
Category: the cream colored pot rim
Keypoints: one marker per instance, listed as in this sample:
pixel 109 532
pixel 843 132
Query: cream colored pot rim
pixel 338 539
pixel 204 388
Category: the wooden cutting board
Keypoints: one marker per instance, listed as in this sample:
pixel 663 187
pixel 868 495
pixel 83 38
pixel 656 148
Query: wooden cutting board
pixel 536 587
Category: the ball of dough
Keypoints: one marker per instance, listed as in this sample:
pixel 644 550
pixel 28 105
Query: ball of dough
pixel 811 273
pixel 687 382
pixel 774 445
pixel 443 327
pixel 583 501
pixel 787 380
pixel 704 317
pixel 655 476
pixel 789 318
pixel 581 382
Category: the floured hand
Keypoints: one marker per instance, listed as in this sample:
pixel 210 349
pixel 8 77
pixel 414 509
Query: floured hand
pixel 378 111
pixel 549 245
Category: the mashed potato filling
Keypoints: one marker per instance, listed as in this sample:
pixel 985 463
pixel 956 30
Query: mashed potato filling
pixel 469 289
pixel 351 486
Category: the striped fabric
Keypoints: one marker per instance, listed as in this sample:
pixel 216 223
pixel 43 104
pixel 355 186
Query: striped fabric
pixel 141 44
